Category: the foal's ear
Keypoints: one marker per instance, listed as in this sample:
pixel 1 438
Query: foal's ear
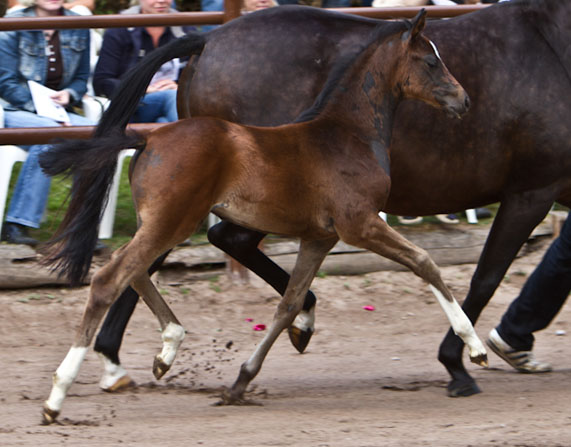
pixel 416 25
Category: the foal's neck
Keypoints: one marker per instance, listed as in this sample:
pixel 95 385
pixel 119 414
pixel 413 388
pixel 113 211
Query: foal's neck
pixel 367 98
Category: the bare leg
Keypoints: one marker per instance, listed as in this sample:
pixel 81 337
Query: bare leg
pixel 374 234
pixel 310 257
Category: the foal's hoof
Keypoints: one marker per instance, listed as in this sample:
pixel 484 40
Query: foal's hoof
pixel 463 389
pixel 481 360
pixel 160 368
pixel 49 416
pixel 299 338
pixel 120 384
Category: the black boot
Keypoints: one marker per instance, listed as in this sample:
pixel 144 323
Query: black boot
pixel 17 234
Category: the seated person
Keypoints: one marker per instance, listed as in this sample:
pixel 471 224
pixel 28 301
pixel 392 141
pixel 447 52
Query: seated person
pixel 65 70
pixel 122 48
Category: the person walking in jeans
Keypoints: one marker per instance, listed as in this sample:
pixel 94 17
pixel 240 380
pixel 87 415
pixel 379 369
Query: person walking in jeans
pixel 539 301
pixel 58 59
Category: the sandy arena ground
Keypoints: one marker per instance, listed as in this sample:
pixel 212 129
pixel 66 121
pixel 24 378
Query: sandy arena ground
pixel 368 378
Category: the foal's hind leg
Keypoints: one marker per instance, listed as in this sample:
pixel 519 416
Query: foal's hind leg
pixel 106 285
pixel 108 341
pixel 172 330
pixel 373 233
pixel 310 257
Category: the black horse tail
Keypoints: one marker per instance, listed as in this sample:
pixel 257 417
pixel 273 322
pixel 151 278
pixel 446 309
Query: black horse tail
pixel 92 163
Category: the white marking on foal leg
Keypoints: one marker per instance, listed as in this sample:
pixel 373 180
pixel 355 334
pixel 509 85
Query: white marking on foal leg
pixel 462 327
pixel 112 375
pixel 173 334
pixel 64 377
pixel 305 320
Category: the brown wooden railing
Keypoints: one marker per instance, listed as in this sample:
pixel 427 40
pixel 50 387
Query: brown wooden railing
pixel 35 135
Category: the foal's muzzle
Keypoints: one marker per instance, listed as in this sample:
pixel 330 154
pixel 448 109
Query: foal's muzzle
pixel 456 105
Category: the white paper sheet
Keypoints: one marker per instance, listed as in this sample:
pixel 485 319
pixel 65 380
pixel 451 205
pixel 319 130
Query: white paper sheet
pixel 44 105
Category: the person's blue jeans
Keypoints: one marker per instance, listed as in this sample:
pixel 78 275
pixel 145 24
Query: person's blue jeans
pixel 211 5
pixel 157 107
pixel 542 296
pixel 336 3
pixel 33 186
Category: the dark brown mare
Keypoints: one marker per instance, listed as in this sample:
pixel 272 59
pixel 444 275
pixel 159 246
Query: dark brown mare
pixel 321 179
pixel 513 147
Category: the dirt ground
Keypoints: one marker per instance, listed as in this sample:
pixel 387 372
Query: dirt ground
pixel 368 378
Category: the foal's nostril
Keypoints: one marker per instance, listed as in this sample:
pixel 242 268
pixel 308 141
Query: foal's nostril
pixel 467 102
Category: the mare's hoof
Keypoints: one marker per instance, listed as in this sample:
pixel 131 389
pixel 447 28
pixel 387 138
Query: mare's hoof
pixel 481 360
pixel 299 338
pixel 49 416
pixel 160 368
pixel 463 389
pixel 121 384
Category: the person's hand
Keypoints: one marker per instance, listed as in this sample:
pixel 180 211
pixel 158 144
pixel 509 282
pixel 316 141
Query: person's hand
pixel 160 86
pixel 62 98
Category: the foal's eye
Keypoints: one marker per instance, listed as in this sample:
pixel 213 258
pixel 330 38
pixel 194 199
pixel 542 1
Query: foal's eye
pixel 431 60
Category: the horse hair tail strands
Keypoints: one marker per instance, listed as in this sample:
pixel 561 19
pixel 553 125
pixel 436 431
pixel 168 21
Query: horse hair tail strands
pixel 92 163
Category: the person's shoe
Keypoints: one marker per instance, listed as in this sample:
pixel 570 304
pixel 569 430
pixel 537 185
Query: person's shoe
pixel 17 234
pixel 447 218
pixel 523 361
pixel 409 220
pixel 483 213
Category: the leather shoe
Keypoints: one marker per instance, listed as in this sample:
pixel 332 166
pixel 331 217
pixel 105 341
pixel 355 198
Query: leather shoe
pixel 14 233
pixel 483 213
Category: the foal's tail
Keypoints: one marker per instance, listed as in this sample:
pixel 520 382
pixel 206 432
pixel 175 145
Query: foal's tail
pixel 92 162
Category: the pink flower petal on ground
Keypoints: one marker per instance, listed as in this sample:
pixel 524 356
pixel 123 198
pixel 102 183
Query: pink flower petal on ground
pixel 249 320
pixel 259 327
pixel 369 308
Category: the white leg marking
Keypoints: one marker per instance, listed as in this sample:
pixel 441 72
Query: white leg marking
pixel 172 338
pixel 64 377
pixel 112 373
pixel 305 320
pixel 460 324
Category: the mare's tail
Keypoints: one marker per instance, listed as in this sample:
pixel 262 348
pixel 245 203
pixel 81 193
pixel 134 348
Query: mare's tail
pixel 92 162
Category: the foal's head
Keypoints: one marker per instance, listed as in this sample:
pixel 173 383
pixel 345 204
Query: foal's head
pixel 422 74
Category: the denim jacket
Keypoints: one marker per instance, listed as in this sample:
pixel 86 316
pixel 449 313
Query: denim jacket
pixel 23 57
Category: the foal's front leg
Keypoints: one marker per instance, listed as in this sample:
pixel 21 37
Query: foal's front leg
pixel 373 233
pixel 309 259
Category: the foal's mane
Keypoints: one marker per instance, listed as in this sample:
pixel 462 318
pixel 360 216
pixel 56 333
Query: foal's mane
pixel 341 67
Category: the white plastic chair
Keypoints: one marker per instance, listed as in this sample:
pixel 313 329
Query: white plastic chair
pixel 9 156
pixel 108 219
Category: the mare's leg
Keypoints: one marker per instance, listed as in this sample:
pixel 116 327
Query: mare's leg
pixel 242 245
pixel 310 257
pixel 127 263
pixel 108 341
pixel 516 219
pixel 373 233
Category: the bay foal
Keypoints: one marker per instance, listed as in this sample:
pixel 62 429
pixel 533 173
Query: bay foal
pixel 321 179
